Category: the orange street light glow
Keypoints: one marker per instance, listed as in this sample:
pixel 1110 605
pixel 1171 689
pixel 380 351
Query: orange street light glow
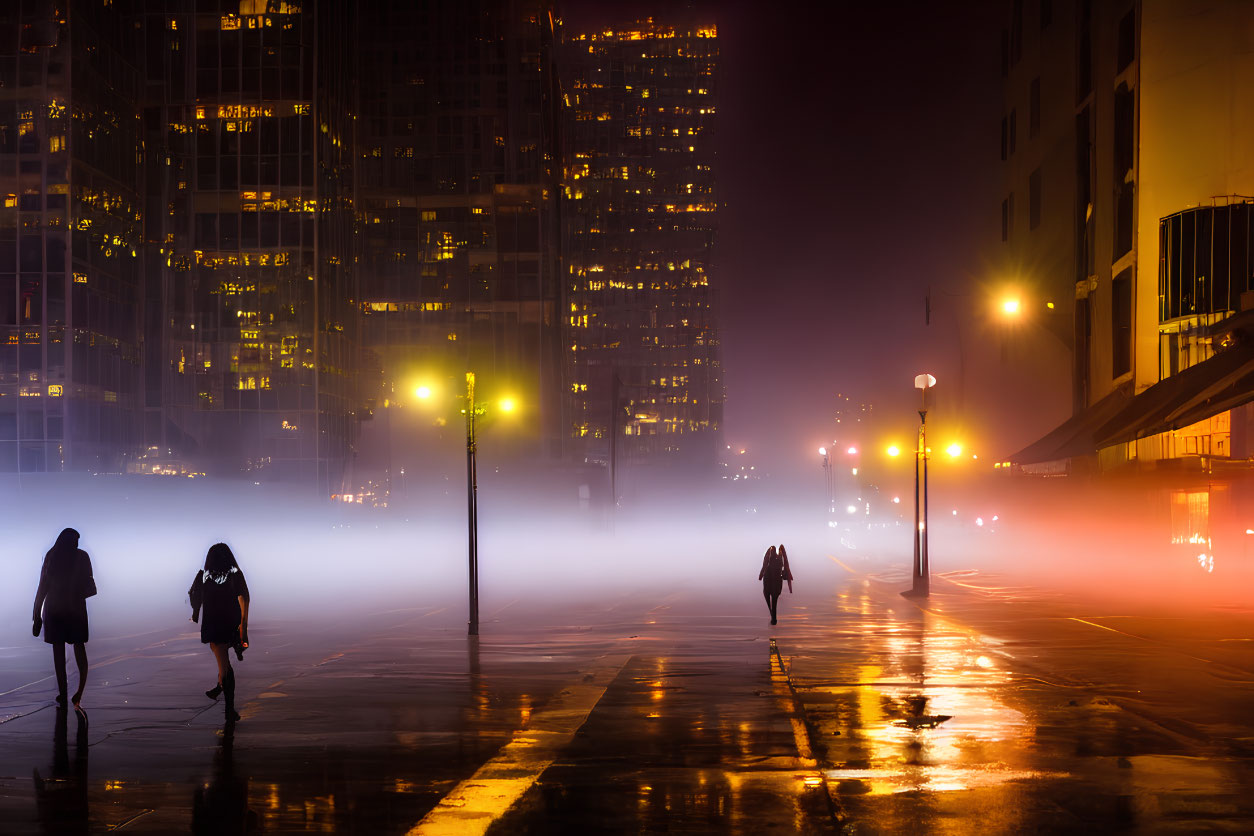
pixel 1010 307
pixel 954 449
pixel 894 450
pixel 507 404
pixel 423 391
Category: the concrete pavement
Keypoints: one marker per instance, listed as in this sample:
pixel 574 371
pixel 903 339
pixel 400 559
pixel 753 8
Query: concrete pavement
pixel 988 708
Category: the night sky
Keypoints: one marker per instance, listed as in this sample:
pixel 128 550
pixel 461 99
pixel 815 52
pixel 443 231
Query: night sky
pixel 859 166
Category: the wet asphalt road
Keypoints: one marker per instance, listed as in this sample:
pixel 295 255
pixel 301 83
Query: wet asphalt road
pixel 986 709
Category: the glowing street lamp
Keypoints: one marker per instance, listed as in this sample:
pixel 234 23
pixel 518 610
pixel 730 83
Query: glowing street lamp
pixel 474 409
pixel 954 450
pixel 1010 307
pixel 921 585
pixel 893 450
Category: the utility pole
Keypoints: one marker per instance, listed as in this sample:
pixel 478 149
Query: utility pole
pixel 472 506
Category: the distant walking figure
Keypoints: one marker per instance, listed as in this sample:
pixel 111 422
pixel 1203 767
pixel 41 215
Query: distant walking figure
pixel 65 584
pixel 774 572
pixel 220 591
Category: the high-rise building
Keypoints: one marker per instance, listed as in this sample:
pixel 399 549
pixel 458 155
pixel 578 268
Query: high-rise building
pixel 456 184
pixel 250 333
pixel 1127 190
pixel 640 221
pixel 70 238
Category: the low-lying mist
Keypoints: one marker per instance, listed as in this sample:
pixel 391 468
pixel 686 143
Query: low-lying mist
pixel 1137 543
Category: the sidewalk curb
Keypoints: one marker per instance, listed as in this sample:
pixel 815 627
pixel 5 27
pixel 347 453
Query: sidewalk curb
pixel 804 733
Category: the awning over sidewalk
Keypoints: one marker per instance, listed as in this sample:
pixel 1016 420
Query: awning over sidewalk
pixel 1077 436
pixel 1223 382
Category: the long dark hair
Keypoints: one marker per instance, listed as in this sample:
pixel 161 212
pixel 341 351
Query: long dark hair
pixel 64 548
pixel 220 560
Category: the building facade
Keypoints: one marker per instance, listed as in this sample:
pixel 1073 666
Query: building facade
pixel 251 335
pixel 456 185
pixel 70 239
pixel 640 223
pixel 1135 171
pixel 235 229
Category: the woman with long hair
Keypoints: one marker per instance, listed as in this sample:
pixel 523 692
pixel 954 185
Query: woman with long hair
pixel 220 595
pixel 65 584
pixel 773 574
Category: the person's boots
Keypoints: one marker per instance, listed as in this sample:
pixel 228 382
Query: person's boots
pixel 228 688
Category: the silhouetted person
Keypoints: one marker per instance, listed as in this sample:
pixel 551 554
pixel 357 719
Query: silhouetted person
pixel 65 584
pixel 220 592
pixel 774 572
pixel 61 801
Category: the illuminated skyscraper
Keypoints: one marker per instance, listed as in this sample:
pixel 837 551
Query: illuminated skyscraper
pixel 456 183
pixel 70 239
pixel 640 220
pixel 251 338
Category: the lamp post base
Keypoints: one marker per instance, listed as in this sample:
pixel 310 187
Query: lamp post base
pixel 919 590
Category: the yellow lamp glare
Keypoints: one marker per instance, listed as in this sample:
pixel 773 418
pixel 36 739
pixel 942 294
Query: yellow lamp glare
pixel 1049 305
pixel 422 392
pixel 894 450
pixel 1010 307
pixel 507 404
pixel 954 449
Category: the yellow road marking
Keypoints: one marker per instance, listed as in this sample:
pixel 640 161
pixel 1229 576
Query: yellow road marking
pixel 474 804
pixel 841 564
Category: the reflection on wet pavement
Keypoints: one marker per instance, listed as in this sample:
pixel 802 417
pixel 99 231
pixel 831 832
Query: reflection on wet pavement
pixel 992 709
pixel 923 724
pixel 360 730
pixel 61 798
pixel 700 740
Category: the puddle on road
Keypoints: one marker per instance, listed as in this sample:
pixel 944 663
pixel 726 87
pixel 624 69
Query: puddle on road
pixel 914 717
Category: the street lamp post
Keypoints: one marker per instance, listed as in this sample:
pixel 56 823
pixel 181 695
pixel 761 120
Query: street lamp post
pixel 472 506
pixel 921 576
pixel 828 479
pixel 473 410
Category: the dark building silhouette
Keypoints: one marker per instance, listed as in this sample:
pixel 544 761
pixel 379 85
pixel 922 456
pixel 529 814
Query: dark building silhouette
pixel 71 220
pixel 235 229
pixel 250 332
pixel 640 220
pixel 456 186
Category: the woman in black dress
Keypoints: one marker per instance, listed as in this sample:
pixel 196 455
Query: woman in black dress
pixel 220 592
pixel 65 584
pixel 774 572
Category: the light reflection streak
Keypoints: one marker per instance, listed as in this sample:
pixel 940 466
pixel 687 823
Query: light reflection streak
pixel 928 716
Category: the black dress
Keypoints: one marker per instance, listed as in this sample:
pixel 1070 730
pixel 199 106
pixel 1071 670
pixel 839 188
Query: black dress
pixel 65 584
pixel 218 596
pixel 774 572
